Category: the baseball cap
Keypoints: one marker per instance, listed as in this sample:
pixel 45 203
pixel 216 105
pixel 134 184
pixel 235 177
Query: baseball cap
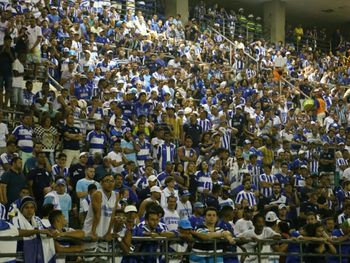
pixel 271 217
pixel 303 166
pixel 155 189
pixel 130 208
pixel 185 224
pixel 198 205
pixel 281 206
pixel 184 193
pixel 301 152
pixel 247 142
pixel 152 178
pixel 83 153
pixel 61 182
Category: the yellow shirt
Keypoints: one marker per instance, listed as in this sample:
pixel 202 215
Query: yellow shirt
pixel 268 155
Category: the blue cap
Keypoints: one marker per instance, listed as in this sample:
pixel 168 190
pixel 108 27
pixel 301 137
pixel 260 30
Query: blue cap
pixel 61 182
pixel 184 193
pixel 185 224
pixel 198 205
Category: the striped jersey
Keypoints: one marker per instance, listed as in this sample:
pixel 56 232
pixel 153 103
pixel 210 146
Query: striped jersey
pixel 205 124
pixel 204 181
pixel 267 191
pixel 226 140
pixel 97 140
pixel 246 195
pixel 254 171
pixel 24 137
pixel 144 153
pixel 166 153
pixel 57 171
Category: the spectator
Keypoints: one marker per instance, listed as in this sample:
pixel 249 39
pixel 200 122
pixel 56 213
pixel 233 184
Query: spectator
pixel 7 57
pixel 71 138
pixel 98 223
pixel 12 182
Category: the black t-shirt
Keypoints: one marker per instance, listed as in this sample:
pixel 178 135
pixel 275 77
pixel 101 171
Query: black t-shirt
pixel 238 122
pixel 41 179
pixel 76 172
pixel 327 155
pixel 194 131
pixel 14 182
pixel 6 62
pixel 68 143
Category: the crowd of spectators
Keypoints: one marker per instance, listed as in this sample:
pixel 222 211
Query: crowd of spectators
pixel 162 128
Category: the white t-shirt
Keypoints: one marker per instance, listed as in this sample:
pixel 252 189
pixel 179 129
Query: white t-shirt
pixel 3 132
pixel 184 209
pixel 116 157
pixel 3 28
pixel 33 34
pixel 242 226
pixel 266 234
pixel 18 81
pixel 171 219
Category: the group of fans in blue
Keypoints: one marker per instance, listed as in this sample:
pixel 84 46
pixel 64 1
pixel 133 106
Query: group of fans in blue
pixel 158 132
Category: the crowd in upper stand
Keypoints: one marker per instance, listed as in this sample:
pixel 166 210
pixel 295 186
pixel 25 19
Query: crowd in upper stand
pixel 161 128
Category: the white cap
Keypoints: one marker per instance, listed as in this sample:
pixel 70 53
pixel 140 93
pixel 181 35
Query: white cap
pixel 155 189
pixel 152 178
pixel 281 206
pixel 271 217
pixel 83 153
pixel 130 208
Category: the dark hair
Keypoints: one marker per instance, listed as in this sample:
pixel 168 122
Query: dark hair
pixel 54 214
pixel 168 180
pixel 15 159
pixel 226 209
pixel 171 196
pixel 256 217
pixel 61 155
pixel 92 187
pixel 46 209
pixel 216 188
pixel 210 208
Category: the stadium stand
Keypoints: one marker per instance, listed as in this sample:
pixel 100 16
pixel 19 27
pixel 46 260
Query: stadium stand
pixel 137 135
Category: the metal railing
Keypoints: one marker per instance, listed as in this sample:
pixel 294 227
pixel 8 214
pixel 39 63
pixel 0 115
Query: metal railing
pixel 300 248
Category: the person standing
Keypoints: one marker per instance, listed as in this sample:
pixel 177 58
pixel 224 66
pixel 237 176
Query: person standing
pixel 23 134
pixel 207 231
pixel 39 180
pixel 12 182
pixel 82 187
pixel 7 56
pixel 4 132
pixel 71 140
pixel 16 96
pixel 98 222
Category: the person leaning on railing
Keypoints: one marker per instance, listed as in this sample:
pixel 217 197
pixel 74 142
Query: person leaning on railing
pixel 207 231
pixel 58 222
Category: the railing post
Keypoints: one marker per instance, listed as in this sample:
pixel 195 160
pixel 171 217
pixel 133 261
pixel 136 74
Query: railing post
pixel 113 250
pixel 340 253
pixel 166 251
pixel 301 251
pixel 230 54
pixel 215 248
pixel 259 251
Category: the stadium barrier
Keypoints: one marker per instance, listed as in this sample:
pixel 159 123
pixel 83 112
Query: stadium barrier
pixel 299 254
